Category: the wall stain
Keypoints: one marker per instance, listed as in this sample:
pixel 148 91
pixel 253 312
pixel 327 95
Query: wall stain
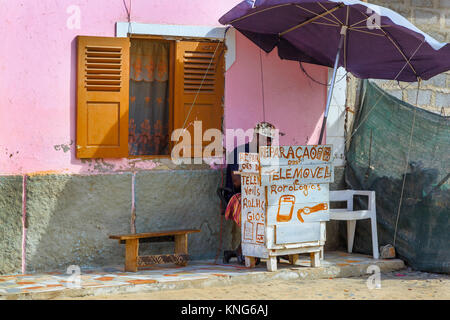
pixel 10 154
pixel 64 147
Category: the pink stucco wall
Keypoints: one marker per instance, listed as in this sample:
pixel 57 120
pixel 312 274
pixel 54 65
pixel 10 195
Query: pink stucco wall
pixel 37 80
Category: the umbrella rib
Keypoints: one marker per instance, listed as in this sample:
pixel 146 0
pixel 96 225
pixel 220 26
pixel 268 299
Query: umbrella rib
pixel 326 24
pixel 331 13
pixel 309 11
pixel 346 18
pixel 365 27
pixel 253 13
pixel 412 56
pixel 310 20
pixel 375 34
pixel 365 19
pixel 393 42
pixel 345 39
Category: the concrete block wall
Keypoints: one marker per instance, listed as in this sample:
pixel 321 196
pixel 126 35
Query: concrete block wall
pixel 432 17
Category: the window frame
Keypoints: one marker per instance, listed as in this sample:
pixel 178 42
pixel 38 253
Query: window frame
pixel 172 40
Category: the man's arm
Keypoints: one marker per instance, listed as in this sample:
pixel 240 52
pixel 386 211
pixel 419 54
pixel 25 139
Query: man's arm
pixel 236 178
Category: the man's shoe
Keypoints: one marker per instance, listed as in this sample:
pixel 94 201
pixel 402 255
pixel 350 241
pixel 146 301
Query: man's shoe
pixel 241 259
pixel 227 255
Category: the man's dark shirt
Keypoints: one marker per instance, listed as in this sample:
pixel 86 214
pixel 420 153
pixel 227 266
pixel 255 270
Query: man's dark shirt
pixel 234 166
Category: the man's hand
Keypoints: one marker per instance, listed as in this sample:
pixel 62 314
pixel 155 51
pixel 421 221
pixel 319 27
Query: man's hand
pixel 236 178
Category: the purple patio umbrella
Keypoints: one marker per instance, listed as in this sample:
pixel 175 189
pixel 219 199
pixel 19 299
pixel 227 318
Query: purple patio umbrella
pixel 369 41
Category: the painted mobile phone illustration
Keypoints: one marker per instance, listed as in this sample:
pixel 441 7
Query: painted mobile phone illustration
pixel 285 208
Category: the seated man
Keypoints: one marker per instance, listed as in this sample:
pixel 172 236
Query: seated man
pixel 263 134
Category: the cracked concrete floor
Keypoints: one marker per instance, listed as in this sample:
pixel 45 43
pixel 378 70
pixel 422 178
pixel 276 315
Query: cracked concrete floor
pixel 405 284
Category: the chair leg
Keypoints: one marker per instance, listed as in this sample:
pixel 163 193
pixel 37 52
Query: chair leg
pixel 351 226
pixel 373 222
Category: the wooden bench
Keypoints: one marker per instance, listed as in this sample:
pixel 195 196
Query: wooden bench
pixel 132 259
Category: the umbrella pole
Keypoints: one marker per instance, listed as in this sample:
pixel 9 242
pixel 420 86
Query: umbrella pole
pixel 333 79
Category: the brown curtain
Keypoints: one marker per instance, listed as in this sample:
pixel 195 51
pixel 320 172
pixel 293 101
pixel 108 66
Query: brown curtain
pixel 149 92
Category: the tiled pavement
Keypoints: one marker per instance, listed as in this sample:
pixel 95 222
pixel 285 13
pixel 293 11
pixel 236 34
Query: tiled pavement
pixel 114 279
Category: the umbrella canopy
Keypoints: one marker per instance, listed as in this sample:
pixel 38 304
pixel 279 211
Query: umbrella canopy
pixel 376 42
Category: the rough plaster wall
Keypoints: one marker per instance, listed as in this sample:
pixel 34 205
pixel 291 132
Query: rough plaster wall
pixel 70 218
pixel 181 200
pixel 10 224
pixel 178 200
pixel 432 17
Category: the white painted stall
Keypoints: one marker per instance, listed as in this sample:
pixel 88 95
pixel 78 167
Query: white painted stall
pixel 285 202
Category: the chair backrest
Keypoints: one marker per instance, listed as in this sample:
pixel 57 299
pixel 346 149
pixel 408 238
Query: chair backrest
pixel 343 196
pixel 347 195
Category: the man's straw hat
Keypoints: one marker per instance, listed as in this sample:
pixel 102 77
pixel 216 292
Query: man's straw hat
pixel 266 129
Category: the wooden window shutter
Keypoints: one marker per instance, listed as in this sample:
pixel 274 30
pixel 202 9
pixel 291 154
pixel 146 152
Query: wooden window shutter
pixel 102 97
pixel 199 87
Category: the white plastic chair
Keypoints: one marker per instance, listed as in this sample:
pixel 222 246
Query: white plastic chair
pixel 351 216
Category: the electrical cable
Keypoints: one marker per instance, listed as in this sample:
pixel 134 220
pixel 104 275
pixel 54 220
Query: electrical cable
pixel 316 81
pixel 262 85
pixel 128 11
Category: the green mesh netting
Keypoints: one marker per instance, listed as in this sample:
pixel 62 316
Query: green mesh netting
pixel 376 161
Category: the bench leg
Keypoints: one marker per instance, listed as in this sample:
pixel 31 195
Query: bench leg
pixel 315 259
pixel 272 264
pixel 293 258
pixel 131 254
pixel 351 226
pixel 181 246
pixel 250 262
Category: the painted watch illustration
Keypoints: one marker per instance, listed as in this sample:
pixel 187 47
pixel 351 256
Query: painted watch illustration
pixel 309 210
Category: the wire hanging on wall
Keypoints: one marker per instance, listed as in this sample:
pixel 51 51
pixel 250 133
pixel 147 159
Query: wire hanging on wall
pixel 262 85
pixel 128 10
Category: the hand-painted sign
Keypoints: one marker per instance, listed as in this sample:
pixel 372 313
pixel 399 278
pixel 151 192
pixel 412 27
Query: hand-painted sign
pixel 248 162
pixel 253 207
pixel 303 193
pixel 297 174
pixel 285 197
pixel 294 155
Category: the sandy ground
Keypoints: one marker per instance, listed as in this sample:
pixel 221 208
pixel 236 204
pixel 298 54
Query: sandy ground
pixel 404 284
